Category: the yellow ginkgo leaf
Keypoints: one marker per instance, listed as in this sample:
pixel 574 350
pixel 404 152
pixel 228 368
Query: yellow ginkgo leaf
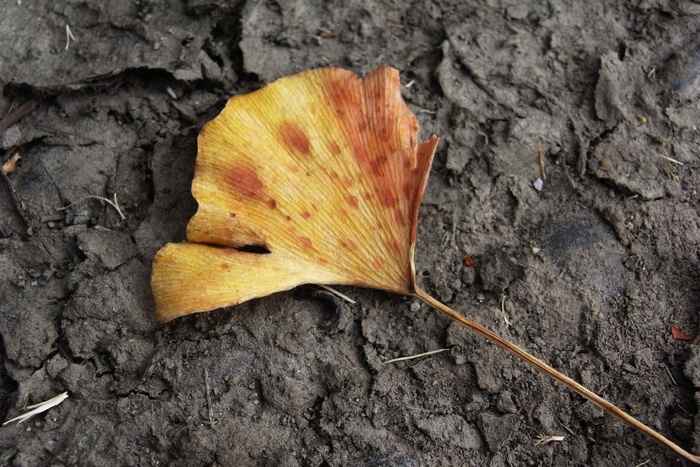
pixel 322 172
pixel 315 178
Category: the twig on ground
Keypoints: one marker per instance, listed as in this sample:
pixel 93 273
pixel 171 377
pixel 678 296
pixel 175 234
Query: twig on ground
pixel 671 159
pixel 668 372
pixel 207 388
pixel 546 439
pixel 540 157
pixel 503 311
pixel 339 294
pixel 16 113
pixel 411 357
pixel 326 34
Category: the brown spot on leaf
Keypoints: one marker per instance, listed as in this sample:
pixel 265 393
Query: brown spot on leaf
pixel 343 96
pixel 287 218
pixel 294 136
pixel 305 243
pixel 224 266
pixel 398 216
pixel 361 155
pixel 377 165
pixel 352 201
pixel 245 179
pixel 333 174
pixel 271 203
pixel 305 214
pixel 386 196
pixel 334 148
pixel 349 245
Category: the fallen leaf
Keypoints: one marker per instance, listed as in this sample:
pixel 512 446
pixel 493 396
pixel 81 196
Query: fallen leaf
pixel 315 178
pixel 323 170
pixel 680 335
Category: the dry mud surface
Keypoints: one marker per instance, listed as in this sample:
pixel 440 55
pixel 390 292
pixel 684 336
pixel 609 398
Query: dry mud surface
pixel 588 272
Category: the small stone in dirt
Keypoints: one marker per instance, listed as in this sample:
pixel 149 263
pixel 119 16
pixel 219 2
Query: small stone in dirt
pixel 538 184
pixel 458 356
pixel 505 403
pixel 517 12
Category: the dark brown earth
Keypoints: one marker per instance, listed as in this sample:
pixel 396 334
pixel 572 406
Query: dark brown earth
pixel 589 272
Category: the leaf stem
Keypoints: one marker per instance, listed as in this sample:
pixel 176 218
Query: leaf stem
pixel 551 372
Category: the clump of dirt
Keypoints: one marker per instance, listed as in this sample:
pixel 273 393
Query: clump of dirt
pixel 585 255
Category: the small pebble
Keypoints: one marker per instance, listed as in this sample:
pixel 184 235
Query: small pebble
pixel 505 403
pixel 517 12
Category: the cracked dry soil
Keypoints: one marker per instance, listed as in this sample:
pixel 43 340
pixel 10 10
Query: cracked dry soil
pixel 588 272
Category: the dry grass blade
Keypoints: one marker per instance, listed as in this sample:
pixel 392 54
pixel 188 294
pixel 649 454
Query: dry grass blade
pixel 338 293
pixel 412 357
pixel 36 409
pixel 114 204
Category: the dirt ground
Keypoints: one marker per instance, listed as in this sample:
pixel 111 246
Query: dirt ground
pixel 588 268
